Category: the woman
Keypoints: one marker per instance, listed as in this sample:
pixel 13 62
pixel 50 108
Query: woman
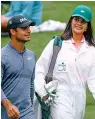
pixel 74 68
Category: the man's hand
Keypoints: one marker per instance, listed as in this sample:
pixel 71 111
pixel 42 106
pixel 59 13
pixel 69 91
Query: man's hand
pixel 11 109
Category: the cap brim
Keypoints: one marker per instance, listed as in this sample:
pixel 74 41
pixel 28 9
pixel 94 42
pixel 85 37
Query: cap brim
pixel 28 23
pixel 75 15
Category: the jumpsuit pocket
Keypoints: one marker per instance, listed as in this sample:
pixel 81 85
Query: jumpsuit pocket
pixel 85 67
pixel 86 63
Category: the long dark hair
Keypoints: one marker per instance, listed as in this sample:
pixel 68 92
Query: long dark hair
pixel 88 34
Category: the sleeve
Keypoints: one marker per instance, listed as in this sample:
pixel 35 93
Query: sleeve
pixel 32 10
pixel 91 78
pixel 27 9
pixel 32 83
pixel 32 87
pixel 3 96
pixel 41 70
pixel 15 8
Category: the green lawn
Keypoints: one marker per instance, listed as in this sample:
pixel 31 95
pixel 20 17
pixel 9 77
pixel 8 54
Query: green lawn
pixel 60 11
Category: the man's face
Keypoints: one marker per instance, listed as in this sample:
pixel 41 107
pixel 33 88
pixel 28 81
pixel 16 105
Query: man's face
pixel 23 34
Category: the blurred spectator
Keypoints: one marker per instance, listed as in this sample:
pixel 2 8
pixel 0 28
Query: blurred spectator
pixel 32 10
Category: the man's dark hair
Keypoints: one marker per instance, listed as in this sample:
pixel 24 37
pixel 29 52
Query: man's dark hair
pixel 10 32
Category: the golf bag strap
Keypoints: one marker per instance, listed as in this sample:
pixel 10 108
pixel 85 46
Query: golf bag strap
pixel 56 48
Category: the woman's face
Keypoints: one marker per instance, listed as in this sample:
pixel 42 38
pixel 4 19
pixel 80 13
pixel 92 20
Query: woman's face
pixel 79 25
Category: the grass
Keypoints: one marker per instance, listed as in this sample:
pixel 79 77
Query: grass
pixel 60 11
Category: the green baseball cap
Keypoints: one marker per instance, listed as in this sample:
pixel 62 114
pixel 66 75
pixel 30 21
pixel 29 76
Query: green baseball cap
pixel 83 12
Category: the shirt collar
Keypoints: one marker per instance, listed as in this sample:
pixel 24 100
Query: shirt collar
pixel 9 44
pixel 73 41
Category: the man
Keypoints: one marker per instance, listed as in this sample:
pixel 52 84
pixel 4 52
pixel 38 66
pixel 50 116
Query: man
pixel 32 10
pixel 18 65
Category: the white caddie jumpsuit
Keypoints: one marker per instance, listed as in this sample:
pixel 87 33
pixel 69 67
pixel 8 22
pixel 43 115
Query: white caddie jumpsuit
pixel 73 71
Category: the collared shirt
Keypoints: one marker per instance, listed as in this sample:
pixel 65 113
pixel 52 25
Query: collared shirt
pixel 17 73
pixel 77 46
